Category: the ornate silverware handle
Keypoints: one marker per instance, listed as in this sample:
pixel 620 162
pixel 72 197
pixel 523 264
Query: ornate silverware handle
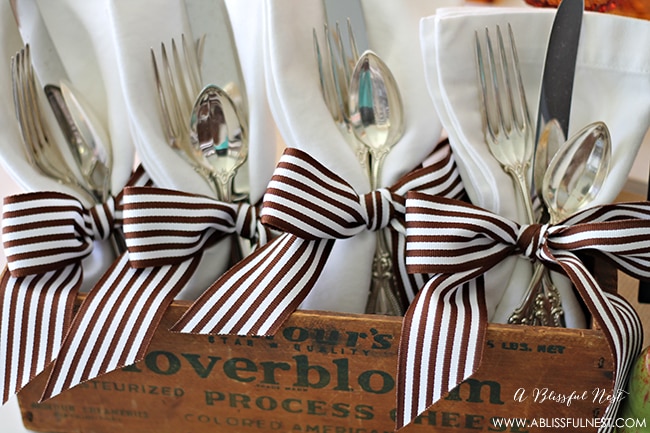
pixel 383 298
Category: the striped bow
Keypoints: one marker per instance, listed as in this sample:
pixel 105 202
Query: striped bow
pixel 166 233
pixel 444 329
pixel 314 207
pixel 45 236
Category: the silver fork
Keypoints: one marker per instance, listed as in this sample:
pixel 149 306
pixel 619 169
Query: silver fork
pixel 41 147
pixel 178 84
pixel 509 135
pixel 335 71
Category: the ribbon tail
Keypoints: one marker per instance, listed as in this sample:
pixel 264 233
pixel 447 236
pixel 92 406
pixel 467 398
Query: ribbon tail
pixel 434 359
pixel 408 284
pixel 35 312
pixel 117 321
pixel 257 295
pixel 617 319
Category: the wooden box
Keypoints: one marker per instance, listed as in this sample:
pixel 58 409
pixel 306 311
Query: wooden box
pixel 328 373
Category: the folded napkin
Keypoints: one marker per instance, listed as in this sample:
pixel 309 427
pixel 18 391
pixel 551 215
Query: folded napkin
pixel 305 122
pixel 136 30
pixel 90 62
pixel 611 73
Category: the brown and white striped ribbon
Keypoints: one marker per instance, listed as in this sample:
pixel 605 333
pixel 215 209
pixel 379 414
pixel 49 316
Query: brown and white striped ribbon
pixel 444 329
pixel 166 232
pixel 45 236
pixel 314 207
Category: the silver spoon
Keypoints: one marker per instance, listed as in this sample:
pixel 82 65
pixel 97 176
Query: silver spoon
pixel 217 131
pixel 572 181
pixel 577 171
pixel 376 116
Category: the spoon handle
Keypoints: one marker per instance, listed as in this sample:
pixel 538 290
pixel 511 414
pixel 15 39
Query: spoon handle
pixel 383 298
pixel 224 189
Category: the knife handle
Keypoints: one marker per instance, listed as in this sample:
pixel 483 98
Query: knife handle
pixel 644 286
pixel 590 5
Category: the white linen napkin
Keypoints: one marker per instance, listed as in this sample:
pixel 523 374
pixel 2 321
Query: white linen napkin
pixel 90 62
pixel 137 30
pixel 612 79
pixel 305 123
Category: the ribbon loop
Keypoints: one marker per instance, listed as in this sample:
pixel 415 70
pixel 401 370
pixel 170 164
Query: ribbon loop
pixel 45 231
pixel 163 227
pixel 45 235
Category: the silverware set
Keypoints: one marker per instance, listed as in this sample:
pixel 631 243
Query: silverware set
pixel 569 183
pixel 364 101
pixel 509 136
pixel 203 125
pixel 42 150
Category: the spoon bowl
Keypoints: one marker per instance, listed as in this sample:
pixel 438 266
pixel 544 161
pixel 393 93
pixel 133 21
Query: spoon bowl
pixel 577 172
pixel 217 132
pixel 376 108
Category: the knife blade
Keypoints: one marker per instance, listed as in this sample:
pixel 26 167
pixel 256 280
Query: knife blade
pixel 218 56
pixel 559 67
pixel 557 82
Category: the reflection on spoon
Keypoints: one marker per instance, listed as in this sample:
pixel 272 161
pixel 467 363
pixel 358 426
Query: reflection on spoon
pixel 217 131
pixel 376 109
pixel 577 171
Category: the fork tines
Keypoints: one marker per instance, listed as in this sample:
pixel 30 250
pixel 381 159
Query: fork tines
pixel 42 152
pixel 502 93
pixel 178 84
pixel 335 68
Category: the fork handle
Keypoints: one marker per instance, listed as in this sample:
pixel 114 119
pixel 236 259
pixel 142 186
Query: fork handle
pixel 519 175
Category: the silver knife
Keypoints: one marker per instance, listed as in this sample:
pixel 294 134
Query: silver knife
pixel 557 79
pixel 219 60
pixel 560 64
